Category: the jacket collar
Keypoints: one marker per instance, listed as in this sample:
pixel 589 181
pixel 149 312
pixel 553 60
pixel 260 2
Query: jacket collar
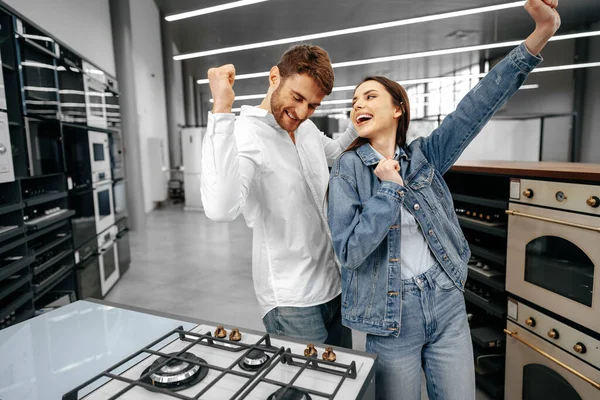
pixel 370 157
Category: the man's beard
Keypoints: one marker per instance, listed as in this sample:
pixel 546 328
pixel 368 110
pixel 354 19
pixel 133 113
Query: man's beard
pixel 278 112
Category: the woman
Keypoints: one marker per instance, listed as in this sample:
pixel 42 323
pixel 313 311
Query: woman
pixel 396 235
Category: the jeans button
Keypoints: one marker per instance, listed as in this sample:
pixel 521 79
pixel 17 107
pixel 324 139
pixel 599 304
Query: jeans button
pixel 445 257
pixel 417 207
pixel 431 232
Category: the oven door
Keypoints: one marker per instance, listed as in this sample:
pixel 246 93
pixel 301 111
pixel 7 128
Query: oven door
pixel 103 206
pixel 95 104
pixel 88 278
pixel 531 375
pixel 109 265
pixel 99 151
pixel 44 147
pixel 552 262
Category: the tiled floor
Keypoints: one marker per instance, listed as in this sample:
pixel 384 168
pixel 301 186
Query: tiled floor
pixel 185 264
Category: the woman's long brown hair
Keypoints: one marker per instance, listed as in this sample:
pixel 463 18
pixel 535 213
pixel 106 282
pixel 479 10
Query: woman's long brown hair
pixel 400 99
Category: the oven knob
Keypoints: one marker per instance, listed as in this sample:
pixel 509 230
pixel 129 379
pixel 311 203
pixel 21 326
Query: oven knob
pixel 235 335
pixel 310 351
pixel 528 193
pixel 593 201
pixel 580 348
pixel 553 334
pixel 220 332
pixel 530 322
pixel 329 355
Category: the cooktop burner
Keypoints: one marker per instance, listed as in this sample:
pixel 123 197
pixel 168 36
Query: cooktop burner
pixel 290 394
pixel 254 360
pixel 176 374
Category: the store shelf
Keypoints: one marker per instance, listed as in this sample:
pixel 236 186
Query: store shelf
pixel 12 233
pixel 480 201
pixel 51 262
pixel 42 288
pixel 42 232
pixel 34 201
pixel 15 267
pixel 10 208
pixel 52 245
pixel 11 287
pixel 21 300
pixel 12 245
pixel 485 227
pixel 42 222
pixel 496 282
pixel 488 255
pixel 486 305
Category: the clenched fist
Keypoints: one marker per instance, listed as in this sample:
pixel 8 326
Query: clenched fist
pixel 221 86
pixel 544 14
pixel 388 170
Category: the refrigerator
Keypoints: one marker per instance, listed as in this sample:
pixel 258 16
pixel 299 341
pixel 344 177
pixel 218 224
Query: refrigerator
pixel 191 146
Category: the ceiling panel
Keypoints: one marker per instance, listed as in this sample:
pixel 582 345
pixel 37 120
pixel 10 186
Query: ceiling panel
pixel 276 19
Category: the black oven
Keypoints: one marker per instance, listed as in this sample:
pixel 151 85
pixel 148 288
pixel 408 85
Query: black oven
pixel 44 146
pixel 83 223
pixel 88 271
pixel 77 156
pixel 71 88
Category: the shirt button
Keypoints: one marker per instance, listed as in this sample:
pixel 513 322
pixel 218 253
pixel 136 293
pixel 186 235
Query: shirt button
pixel 417 207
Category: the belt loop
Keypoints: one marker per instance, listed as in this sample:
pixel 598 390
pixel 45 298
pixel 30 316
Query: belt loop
pixel 430 279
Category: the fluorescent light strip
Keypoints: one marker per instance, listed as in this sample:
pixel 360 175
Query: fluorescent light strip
pixel 426 54
pixel 445 78
pixel 348 31
pixel 209 10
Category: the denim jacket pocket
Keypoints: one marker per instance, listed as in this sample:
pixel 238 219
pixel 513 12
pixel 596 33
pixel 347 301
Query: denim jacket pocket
pixel 422 177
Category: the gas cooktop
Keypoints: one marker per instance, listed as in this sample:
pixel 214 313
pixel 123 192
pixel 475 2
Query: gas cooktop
pixel 211 362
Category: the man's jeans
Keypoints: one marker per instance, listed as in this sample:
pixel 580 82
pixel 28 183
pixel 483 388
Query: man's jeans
pixel 319 324
pixel 435 336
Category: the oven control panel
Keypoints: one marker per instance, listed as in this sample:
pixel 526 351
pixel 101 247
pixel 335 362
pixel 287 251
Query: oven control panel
pixel 565 196
pixel 564 336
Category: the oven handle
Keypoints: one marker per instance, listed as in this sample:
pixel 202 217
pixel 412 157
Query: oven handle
pixel 514 335
pixel 556 221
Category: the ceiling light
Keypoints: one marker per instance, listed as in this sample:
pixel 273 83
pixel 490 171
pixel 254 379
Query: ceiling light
pixel 340 32
pixel 425 54
pixel 209 10
pixel 446 78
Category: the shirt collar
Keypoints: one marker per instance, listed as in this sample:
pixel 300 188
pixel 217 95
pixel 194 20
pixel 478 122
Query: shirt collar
pixel 370 156
pixel 255 111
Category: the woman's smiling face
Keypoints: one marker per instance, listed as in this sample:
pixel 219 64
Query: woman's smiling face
pixel 373 110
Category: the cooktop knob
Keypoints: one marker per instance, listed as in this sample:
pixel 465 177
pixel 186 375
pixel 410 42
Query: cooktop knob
pixel 593 201
pixel 235 335
pixel 580 348
pixel 553 334
pixel 220 332
pixel 329 355
pixel 528 193
pixel 310 351
pixel 530 322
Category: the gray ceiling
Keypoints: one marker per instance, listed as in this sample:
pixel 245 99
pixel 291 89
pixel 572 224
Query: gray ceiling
pixel 276 19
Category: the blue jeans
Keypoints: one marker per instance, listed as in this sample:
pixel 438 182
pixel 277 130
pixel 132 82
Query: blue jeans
pixel 434 336
pixel 318 324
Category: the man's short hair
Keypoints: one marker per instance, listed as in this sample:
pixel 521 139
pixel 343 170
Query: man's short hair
pixel 310 60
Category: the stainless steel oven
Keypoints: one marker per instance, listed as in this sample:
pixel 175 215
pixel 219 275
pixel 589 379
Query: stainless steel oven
pixel 95 88
pixel 546 359
pixel 99 151
pixel 108 259
pixel 553 249
pixel 104 211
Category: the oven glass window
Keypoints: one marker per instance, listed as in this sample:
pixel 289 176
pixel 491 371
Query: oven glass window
pixel 98 152
pixel 109 262
pixel 542 383
pixel 104 203
pixel 561 267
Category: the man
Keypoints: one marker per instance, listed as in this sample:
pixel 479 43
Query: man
pixel 271 164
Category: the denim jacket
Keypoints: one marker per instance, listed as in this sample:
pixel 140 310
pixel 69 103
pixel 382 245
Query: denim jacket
pixel 364 213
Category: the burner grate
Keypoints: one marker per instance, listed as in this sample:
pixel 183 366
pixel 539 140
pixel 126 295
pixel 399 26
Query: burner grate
pixel 278 355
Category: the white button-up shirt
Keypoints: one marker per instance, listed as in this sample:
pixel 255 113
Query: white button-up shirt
pixel 250 166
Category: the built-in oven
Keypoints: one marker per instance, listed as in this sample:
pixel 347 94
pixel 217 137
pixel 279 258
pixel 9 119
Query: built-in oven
pixel 99 151
pixel 546 359
pixel 117 161
pixel 120 199
pixel 37 55
pixel 44 146
pixel 103 205
pixel 83 223
pixel 71 89
pixel 87 268
pixel 553 249
pixel 95 96
pixel 124 246
pixel 108 259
